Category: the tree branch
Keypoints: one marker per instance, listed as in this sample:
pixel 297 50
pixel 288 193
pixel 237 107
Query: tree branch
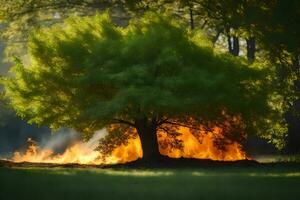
pixel 58 5
pixel 121 121
pixel 190 127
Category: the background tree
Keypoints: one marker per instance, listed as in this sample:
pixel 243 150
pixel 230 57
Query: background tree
pixel 278 32
pixel 150 76
pixel 234 19
pixel 18 18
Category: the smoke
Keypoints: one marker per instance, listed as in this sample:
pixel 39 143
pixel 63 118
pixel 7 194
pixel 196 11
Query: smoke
pixel 93 142
pixel 60 140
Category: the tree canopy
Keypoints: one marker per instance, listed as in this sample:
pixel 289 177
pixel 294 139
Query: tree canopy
pixel 152 75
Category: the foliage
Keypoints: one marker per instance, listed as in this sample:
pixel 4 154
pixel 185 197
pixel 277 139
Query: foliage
pixel 280 36
pixel 18 18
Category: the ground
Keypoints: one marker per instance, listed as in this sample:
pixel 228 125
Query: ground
pixel 229 182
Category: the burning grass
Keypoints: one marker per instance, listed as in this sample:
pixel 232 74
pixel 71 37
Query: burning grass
pixel 79 153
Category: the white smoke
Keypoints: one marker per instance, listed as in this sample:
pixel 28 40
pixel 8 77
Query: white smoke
pixel 64 138
pixel 93 142
pixel 59 140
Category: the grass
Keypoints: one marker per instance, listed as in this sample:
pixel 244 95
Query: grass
pixel 201 184
pixel 278 158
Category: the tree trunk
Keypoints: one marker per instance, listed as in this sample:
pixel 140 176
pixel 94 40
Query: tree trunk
pixel 233 45
pixel 236 46
pixel 229 43
pixel 292 117
pixel 293 137
pixel 148 136
pixel 250 48
pixel 296 65
pixel 192 24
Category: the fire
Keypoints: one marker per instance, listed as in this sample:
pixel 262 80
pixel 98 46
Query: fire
pixel 85 153
pixel 193 148
pixel 81 153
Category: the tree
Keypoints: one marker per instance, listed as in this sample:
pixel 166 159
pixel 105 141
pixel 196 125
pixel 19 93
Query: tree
pixel 236 19
pixel 17 18
pixel 150 76
pixel 224 17
pixel 278 32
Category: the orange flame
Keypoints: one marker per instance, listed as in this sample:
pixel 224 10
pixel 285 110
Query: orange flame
pixel 80 153
pixel 83 153
pixel 206 149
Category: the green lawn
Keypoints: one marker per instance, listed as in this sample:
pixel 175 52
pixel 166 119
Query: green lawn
pixel 213 183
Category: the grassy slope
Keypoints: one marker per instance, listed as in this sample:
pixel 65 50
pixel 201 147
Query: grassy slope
pixel 215 183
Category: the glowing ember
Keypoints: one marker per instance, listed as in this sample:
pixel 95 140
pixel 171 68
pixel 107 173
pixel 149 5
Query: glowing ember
pixel 84 153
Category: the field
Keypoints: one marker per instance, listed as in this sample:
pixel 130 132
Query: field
pixel 267 182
